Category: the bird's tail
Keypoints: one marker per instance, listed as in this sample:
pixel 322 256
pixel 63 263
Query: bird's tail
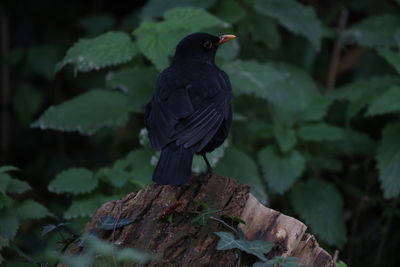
pixel 174 166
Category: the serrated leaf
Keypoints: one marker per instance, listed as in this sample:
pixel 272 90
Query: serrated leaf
pixel 75 181
pixel 239 165
pixel 294 16
pixel 138 84
pixel 86 113
pixel 320 205
pixel 5 201
pixel 11 185
pixel 9 227
pixel 108 49
pixel 281 170
pixel 374 31
pixel 156 40
pixel 388 102
pixel 320 132
pixel 8 168
pixel 388 158
pixel 393 57
pixel 30 209
pixel 255 247
pixel 156 8
pixel 86 206
pixel 285 135
pixel 203 217
pixel 111 223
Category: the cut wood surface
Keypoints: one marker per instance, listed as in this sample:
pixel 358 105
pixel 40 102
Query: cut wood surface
pixel 183 243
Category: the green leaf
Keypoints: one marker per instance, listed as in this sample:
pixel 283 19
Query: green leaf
pixel 255 247
pixel 230 11
pixel 27 102
pixel 156 8
pixel 30 209
pixel 8 168
pixel 281 170
pixel 388 102
pixel 203 217
pixel 43 58
pixel 108 49
pixel 86 206
pixel 12 186
pixel 320 205
pixel 241 166
pixel 285 135
pixel 374 31
pixel 75 181
pixel 137 83
pixel 320 132
pixel 97 24
pixel 156 40
pixel 341 264
pixel 86 113
pixel 393 57
pixel 213 157
pixel 8 227
pixel 388 158
pixel 294 16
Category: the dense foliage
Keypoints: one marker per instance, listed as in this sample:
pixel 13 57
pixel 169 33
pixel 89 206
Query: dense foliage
pixel 316 128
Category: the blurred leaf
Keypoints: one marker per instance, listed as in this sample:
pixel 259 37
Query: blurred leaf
pixel 203 217
pixel 11 185
pixel 230 11
pixel 316 109
pixel 30 209
pixel 355 143
pixel 75 181
pixel 8 168
pixel 26 103
pixel 320 205
pixel 97 24
pixel 257 248
pixel 320 132
pixel 388 102
pixel 72 260
pixel 8 227
pixel 111 223
pixel 393 57
pixel 86 113
pixel 239 165
pixel 341 264
pixel 374 31
pixel 85 206
pixel 156 8
pixel 278 262
pixel 137 83
pixel 108 49
pixel 156 40
pixel 285 135
pixel 213 157
pixel 388 158
pixel 43 58
pixel 294 16
pixel 281 170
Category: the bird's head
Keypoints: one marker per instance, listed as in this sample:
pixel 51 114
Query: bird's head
pixel 200 47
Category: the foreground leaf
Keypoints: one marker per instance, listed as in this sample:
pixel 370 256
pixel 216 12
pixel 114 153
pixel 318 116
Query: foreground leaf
pixel 388 158
pixel 74 180
pixel 294 16
pixel 281 170
pixel 255 247
pixel 108 49
pixel 320 205
pixel 30 209
pixel 388 102
pixel 393 57
pixel 86 113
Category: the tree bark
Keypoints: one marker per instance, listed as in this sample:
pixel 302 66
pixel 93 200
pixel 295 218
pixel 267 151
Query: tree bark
pixel 183 243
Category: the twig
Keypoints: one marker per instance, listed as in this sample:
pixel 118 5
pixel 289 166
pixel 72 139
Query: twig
pixel 224 223
pixel 333 68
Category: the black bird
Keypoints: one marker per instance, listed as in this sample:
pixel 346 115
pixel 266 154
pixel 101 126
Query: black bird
pixel 190 112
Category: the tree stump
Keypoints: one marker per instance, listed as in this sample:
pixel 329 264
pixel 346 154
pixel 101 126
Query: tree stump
pixel 183 243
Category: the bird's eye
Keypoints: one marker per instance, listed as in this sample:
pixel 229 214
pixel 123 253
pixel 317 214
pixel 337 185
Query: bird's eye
pixel 207 44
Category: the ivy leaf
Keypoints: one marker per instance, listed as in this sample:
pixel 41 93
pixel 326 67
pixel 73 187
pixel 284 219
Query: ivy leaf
pixel 111 223
pixel 86 113
pixel 30 209
pixel 388 158
pixel 108 49
pixel 320 132
pixel 75 181
pixel 156 8
pixel 393 57
pixel 294 16
pixel 86 206
pixel 374 31
pixel 255 247
pixel 388 102
pixel 320 205
pixel 281 170
pixel 241 166
pixel 203 217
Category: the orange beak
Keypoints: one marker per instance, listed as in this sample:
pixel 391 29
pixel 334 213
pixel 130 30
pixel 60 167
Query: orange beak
pixel 225 38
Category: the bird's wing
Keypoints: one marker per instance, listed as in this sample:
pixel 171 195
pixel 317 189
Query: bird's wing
pixel 189 115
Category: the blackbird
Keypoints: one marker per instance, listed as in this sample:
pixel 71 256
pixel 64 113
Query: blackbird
pixel 190 111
